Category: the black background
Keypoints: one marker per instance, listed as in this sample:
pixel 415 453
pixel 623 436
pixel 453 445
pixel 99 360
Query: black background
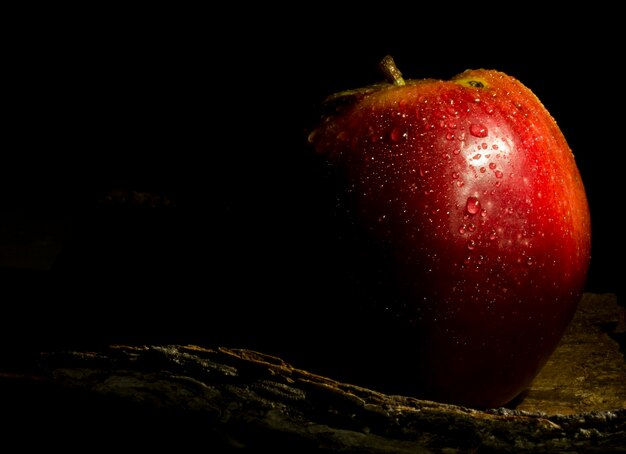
pixel 213 110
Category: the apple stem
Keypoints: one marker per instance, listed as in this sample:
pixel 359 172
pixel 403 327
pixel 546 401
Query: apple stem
pixel 391 71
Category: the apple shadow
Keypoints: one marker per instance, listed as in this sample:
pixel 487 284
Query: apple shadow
pixel 513 404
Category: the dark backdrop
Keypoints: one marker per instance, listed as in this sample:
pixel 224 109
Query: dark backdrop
pixel 216 118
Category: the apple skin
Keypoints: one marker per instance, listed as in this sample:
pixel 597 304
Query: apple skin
pixel 470 195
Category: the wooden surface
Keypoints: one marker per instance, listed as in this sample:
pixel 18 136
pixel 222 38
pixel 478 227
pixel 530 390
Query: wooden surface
pixel 587 372
pixel 221 399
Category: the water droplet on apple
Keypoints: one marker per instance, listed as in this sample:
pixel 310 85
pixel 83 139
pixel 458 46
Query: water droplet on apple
pixel 478 130
pixel 529 261
pixel 459 183
pixel 483 212
pixel 455 175
pixel 493 235
pixel 462 229
pixel 450 136
pixel 471 245
pixel 476 156
pixel 498 174
pixel 483 170
pixel 492 165
pixel 498 184
pixel 456 151
pixel 471 227
pixel 473 205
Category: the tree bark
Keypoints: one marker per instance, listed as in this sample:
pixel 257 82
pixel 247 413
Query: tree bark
pixel 223 399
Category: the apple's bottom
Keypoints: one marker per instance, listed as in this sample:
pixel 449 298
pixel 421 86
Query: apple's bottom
pixel 395 360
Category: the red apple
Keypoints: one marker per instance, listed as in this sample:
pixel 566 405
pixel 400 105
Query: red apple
pixel 471 195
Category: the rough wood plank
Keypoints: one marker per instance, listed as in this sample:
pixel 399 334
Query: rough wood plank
pixel 221 399
pixel 587 372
